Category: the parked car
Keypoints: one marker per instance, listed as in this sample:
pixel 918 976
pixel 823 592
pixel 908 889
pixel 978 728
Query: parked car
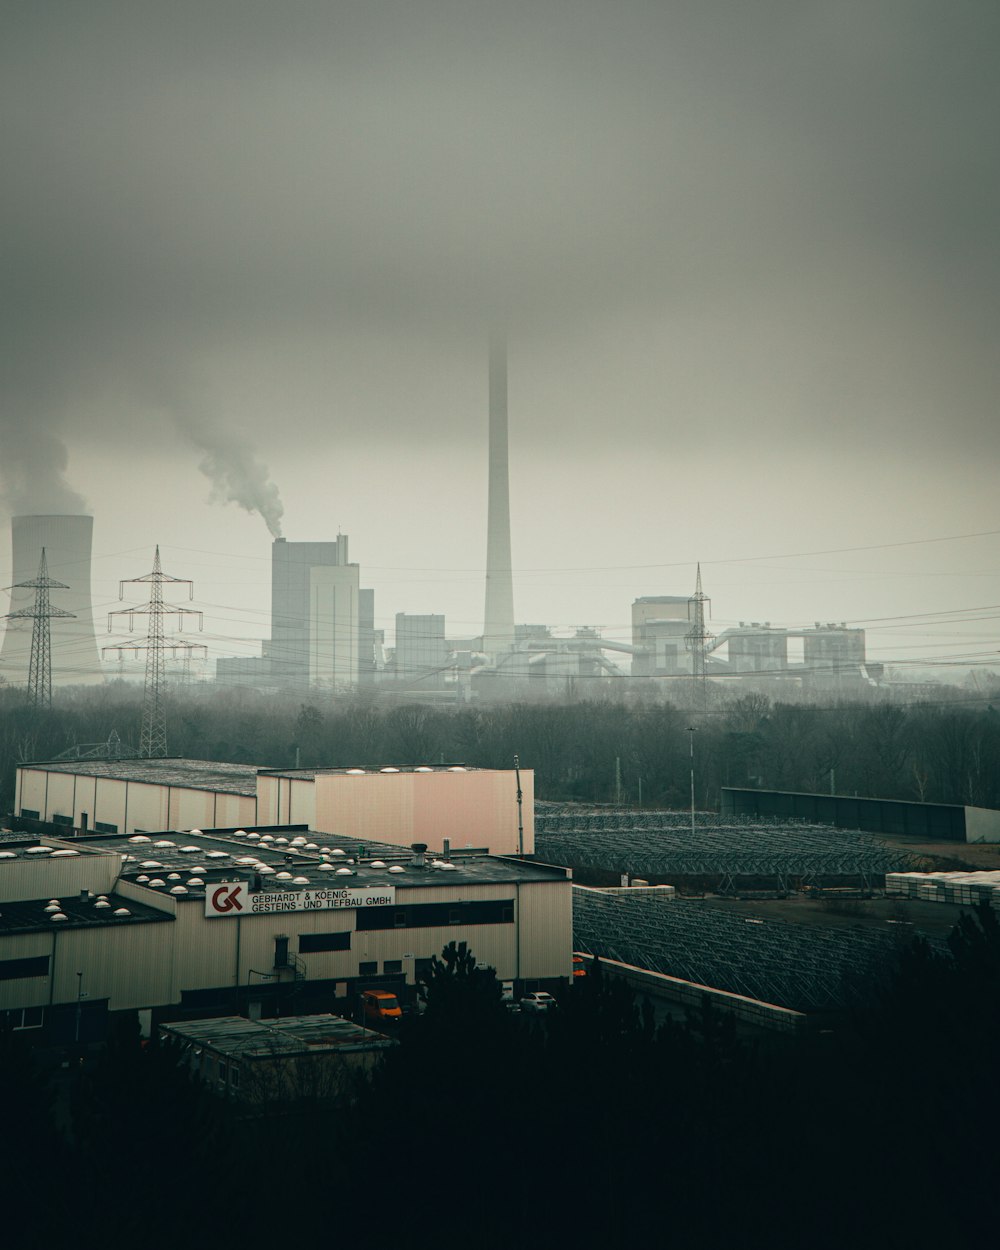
pixel 540 1000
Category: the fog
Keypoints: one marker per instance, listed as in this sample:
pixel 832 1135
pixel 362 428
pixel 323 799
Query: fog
pixel 745 255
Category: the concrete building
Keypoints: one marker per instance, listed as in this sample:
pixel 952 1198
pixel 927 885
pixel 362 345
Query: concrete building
pixel 322 624
pixel 757 648
pixel 832 654
pixel 659 626
pixel 67 541
pixel 421 649
pixel 203 924
pixel 468 806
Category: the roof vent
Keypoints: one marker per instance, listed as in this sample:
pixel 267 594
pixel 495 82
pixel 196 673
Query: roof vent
pixel 419 850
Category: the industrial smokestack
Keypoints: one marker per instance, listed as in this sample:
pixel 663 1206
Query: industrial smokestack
pixel 498 625
pixel 67 541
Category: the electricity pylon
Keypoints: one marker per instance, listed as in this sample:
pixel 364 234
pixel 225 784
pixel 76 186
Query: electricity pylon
pixel 40 664
pixel 697 638
pixel 153 735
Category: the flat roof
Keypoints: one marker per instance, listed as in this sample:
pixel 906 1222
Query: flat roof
pixel 372 770
pixel 308 859
pixel 191 774
pixel 30 916
pixel 237 1038
pixel 25 846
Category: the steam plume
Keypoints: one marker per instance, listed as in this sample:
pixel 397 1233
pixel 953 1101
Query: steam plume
pixel 237 476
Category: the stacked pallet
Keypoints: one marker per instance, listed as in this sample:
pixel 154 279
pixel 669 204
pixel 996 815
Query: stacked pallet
pixel 965 888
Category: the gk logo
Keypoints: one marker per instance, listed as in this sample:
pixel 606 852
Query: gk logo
pixel 227 898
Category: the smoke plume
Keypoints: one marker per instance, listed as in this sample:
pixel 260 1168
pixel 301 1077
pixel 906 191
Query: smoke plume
pixel 237 476
pixel 32 473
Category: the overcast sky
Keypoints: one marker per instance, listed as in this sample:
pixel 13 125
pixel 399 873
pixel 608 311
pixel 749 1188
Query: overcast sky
pixel 746 254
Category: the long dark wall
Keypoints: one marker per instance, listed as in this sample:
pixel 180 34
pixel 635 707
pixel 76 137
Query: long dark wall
pixel 927 820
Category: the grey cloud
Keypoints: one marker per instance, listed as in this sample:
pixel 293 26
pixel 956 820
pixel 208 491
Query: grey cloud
pixel 791 205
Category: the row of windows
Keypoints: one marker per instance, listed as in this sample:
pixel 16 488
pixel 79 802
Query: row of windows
pixel 436 915
pixel 58 819
pixel 16 969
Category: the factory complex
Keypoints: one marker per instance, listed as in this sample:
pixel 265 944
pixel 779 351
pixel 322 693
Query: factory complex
pixel 254 922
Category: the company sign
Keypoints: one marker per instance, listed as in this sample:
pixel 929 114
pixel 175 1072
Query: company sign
pixel 234 898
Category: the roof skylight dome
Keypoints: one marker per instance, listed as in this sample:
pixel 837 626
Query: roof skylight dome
pixel 397 868
pixel 122 911
pixel 178 889
pixel 58 916
pixel 140 837
pixel 300 881
pixel 164 843
pixel 344 872
pixel 355 772
pixel 283 876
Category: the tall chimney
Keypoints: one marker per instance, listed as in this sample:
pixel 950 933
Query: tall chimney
pixel 67 541
pixel 498 626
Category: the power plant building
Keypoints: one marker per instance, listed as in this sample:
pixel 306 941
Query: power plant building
pixel 67 541
pixel 322 623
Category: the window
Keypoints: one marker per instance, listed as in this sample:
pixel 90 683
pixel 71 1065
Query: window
pixel 281 952
pixel 368 968
pixel 102 826
pixel 222 1070
pixel 16 969
pixel 312 943
pixel 400 920
pixel 58 819
pixel 29 813
pixel 25 1017
pixel 507 914
pixel 392 965
pixel 454 915
pixel 234 1078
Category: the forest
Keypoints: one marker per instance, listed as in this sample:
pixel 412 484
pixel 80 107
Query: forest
pixel 631 751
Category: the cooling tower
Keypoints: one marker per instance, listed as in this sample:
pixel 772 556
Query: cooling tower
pixel 67 543
pixel 498 628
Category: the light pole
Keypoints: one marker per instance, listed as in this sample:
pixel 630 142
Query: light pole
pixel 691 731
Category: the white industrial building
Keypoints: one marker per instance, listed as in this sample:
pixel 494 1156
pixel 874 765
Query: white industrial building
pixel 244 922
pixel 468 806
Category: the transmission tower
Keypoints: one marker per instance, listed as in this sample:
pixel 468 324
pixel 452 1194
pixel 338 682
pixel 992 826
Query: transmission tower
pixel 153 735
pixel 697 638
pixel 40 665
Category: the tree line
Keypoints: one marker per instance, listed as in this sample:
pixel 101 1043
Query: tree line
pixel 616 750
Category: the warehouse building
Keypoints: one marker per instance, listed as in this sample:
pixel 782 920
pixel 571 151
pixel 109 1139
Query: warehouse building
pixel 469 806
pixel 260 923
